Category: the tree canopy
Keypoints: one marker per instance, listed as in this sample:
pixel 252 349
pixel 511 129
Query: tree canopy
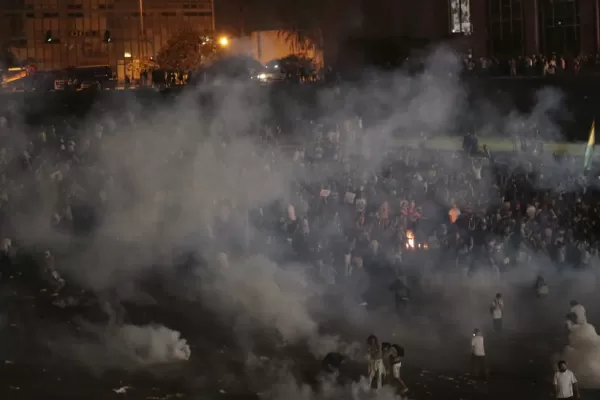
pixel 301 40
pixel 136 66
pixel 302 22
pixel 186 50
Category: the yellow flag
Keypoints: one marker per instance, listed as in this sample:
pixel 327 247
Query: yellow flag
pixel 589 149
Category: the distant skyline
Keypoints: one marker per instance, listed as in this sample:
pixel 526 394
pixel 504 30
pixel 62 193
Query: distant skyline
pixel 494 27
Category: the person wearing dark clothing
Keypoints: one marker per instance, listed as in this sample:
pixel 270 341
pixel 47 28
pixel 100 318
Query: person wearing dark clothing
pixel 392 359
pixel 332 362
pixel 401 294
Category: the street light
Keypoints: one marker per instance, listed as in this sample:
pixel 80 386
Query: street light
pixel 224 41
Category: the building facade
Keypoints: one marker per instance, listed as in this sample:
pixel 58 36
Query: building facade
pixel 525 27
pixel 55 34
pixel 491 27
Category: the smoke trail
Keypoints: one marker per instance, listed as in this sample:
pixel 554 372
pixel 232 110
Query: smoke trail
pixel 150 344
pixel 129 347
pixel 582 355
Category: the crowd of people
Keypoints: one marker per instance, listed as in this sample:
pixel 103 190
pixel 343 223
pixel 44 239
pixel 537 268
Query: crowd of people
pixel 536 65
pixel 357 222
pixel 488 211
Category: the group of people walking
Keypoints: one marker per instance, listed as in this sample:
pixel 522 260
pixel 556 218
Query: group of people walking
pixel 385 362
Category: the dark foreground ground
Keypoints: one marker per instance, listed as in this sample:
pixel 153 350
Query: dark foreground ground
pixel 24 375
pixel 34 366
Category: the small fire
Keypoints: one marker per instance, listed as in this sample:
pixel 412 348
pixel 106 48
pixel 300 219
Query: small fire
pixel 410 239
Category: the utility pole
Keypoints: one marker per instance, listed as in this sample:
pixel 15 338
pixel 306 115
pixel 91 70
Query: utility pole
pixel 212 15
pixel 144 45
pixel 141 2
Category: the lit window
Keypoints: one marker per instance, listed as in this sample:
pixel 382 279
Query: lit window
pixel 460 17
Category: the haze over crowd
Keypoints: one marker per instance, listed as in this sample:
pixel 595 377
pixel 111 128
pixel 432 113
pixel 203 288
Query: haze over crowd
pixel 162 177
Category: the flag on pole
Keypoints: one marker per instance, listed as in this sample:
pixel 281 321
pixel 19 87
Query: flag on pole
pixel 589 149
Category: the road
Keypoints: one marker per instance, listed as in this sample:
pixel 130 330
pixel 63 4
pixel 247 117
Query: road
pixel 33 366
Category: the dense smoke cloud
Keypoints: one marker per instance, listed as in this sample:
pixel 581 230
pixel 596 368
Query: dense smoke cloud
pixel 173 171
pixel 583 355
pixel 278 297
pixel 126 346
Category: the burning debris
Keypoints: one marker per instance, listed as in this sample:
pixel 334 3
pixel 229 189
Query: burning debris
pixel 411 242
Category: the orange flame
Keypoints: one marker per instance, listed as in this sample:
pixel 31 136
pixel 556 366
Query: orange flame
pixel 410 239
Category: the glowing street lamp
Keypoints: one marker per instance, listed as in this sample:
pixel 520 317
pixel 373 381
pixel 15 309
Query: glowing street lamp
pixel 224 41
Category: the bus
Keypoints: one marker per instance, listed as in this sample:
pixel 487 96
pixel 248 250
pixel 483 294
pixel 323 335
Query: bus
pixel 89 77
pixel 14 78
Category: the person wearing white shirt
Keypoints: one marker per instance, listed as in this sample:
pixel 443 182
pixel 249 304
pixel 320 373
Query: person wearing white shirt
pixel 478 365
pixel 565 383
pixel 571 321
pixel 477 166
pixel 579 311
pixel 497 309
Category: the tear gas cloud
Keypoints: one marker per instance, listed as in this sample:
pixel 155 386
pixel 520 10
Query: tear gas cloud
pixel 583 354
pixel 165 178
pixel 124 346
pixel 151 344
pixel 279 297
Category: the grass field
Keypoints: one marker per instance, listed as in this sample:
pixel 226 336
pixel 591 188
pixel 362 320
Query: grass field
pixel 496 144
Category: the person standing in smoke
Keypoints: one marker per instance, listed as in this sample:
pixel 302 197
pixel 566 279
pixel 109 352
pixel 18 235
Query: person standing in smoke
pixel 565 383
pixel 579 311
pixel 392 360
pixel 478 364
pixel 496 309
pixel 401 294
pixel 376 368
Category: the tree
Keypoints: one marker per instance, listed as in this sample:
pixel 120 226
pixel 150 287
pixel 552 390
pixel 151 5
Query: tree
pixel 187 50
pixel 136 66
pixel 303 22
pixel 302 40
